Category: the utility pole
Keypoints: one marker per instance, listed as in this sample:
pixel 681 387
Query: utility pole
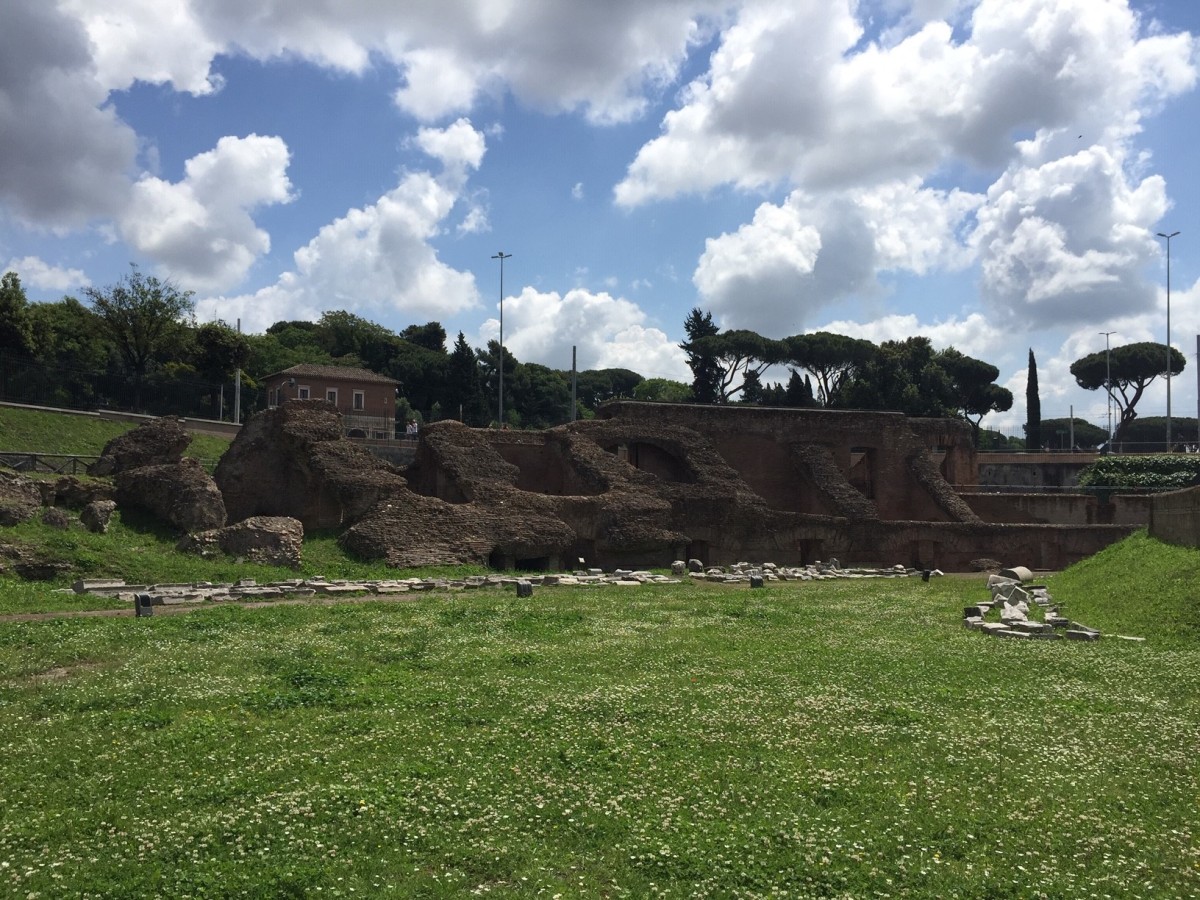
pixel 1168 239
pixel 502 256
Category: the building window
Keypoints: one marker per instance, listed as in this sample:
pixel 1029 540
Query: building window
pixel 360 400
pixel 303 392
pixel 331 395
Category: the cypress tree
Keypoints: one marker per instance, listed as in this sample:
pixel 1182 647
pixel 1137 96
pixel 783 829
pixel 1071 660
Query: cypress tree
pixel 1033 408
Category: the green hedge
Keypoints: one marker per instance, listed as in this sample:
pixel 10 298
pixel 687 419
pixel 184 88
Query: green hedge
pixel 1159 471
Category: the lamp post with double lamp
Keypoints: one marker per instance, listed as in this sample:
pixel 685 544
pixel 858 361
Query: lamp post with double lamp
pixel 1168 237
pixel 1108 381
pixel 502 256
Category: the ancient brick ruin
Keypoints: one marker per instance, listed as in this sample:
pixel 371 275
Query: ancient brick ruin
pixel 640 486
pixel 643 485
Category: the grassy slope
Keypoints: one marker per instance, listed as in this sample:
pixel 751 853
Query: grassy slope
pixel 1139 587
pixel 35 431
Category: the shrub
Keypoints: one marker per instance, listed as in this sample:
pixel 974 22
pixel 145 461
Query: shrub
pixel 1163 471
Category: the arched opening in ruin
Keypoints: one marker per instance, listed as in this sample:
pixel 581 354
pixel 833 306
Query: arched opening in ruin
pixel 356 433
pixel 698 550
pixel 810 550
pixel 657 461
pixel 653 459
pixel 543 469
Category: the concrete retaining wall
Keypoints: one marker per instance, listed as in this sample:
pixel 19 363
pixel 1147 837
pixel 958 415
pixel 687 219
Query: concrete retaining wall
pixel 1175 517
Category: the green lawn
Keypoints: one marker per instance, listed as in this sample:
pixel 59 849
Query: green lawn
pixel 38 431
pixel 832 739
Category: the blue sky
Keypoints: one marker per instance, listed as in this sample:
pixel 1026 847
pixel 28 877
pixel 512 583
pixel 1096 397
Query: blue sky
pixel 990 173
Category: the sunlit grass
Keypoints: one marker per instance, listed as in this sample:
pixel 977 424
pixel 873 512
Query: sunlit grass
pixel 38 431
pixel 832 739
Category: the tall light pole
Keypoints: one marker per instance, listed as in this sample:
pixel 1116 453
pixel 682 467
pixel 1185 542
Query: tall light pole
pixel 502 256
pixel 1168 239
pixel 1108 381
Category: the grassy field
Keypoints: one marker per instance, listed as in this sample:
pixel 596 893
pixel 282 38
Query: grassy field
pixel 833 739
pixel 845 739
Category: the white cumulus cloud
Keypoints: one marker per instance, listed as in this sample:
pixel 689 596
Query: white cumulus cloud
pixel 200 229
pixel 35 272
pixel 608 332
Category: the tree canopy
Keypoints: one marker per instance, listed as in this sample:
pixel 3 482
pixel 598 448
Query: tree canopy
pixel 1133 368
pixel 831 359
pixel 141 314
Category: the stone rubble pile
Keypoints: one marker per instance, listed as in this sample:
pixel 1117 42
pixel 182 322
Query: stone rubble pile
pixel 1012 594
pixel 819 571
pixel 251 590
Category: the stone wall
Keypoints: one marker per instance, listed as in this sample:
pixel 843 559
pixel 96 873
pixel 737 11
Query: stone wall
pixel 1035 470
pixel 1100 508
pixel 886 453
pixel 1175 517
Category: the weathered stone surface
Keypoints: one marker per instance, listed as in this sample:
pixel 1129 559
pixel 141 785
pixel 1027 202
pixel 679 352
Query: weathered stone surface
pixel 97 514
pixel 268 540
pixel 155 443
pixel 56 518
pixel 293 461
pixel 20 499
pixel 74 493
pixel 1017 573
pixel 182 494
pixel 31 563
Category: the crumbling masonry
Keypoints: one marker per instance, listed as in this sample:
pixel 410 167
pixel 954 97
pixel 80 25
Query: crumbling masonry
pixel 642 485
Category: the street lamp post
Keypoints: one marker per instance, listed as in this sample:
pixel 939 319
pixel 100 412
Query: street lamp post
pixel 1168 239
pixel 502 256
pixel 1108 381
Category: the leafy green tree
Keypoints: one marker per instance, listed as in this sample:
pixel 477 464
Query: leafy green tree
pixel 832 359
pixel 490 374
pixel 799 392
pixel 753 392
pixel 904 376
pixel 142 315
pixel 354 341
pixel 464 391
pixel 701 357
pixel 421 372
pixel 16 331
pixel 69 341
pixel 1087 436
pixel 220 352
pixel 431 336
pixel 285 344
pixel 595 386
pixel 1148 434
pixel 994 440
pixel 1033 407
pixel 1133 368
pixel 973 384
pixel 541 395
pixel 663 390
pixel 737 354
